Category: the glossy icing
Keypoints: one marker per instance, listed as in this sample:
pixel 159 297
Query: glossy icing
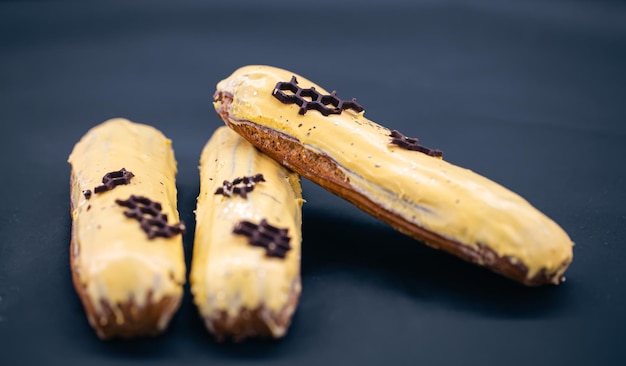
pixel 429 192
pixel 113 257
pixel 227 274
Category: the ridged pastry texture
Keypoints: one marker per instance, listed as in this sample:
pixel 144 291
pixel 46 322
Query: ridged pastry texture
pixel 239 289
pixel 130 285
pixel 444 205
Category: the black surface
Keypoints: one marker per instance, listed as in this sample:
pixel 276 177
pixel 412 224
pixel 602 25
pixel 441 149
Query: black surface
pixel 530 94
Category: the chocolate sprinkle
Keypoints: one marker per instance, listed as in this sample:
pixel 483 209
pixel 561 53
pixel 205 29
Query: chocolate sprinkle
pixel 87 193
pixel 114 179
pixel 325 104
pixel 410 143
pixel 241 186
pixel 149 215
pixel 273 239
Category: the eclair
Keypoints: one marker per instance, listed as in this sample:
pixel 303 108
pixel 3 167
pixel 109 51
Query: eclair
pixel 245 269
pixel 393 177
pixel 126 251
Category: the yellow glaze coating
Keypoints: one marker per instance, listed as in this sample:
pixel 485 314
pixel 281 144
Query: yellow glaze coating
pixel 114 259
pixel 228 274
pixel 441 197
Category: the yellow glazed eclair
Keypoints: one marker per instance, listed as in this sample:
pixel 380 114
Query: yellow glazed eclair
pixel 329 141
pixel 245 270
pixel 126 247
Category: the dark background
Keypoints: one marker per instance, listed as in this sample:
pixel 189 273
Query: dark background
pixel 529 93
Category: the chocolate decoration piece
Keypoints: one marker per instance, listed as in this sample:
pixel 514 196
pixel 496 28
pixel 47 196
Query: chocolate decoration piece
pixel 241 186
pixel 310 98
pixel 87 193
pixel 149 215
pixel 114 179
pixel 410 143
pixel 273 239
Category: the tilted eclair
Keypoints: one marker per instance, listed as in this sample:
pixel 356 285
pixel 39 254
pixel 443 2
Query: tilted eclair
pixel 126 249
pixel 245 270
pixel 329 141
